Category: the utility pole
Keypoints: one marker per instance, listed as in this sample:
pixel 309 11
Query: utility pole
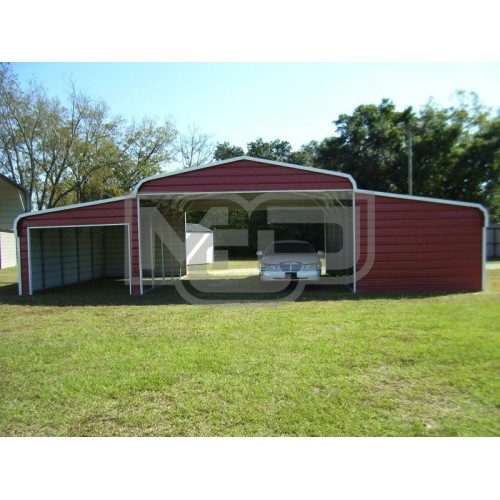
pixel 410 162
pixel 408 131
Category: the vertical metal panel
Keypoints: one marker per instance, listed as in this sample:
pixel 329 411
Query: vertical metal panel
pixel 85 253
pixel 70 256
pixel 51 268
pixel 97 250
pixel 114 258
pixel 37 261
pixel 131 210
pixel 145 238
pixel 493 241
pixel 77 240
pixel 61 255
pixel 42 257
pixel 92 270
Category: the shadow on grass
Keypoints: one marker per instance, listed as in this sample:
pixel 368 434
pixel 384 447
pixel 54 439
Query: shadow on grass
pixel 108 292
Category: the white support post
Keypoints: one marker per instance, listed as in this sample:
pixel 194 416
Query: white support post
pixel 162 257
pixel 19 265
pixel 152 250
pixel 354 240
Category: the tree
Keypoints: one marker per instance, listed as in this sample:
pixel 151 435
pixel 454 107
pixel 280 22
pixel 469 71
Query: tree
pixel 194 147
pixel 369 146
pixel 225 151
pixel 307 155
pixel 455 150
pixel 275 150
pixel 146 147
pixel 75 152
pixel 481 164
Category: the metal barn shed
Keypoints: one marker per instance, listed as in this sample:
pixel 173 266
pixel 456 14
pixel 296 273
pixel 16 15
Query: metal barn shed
pixel 374 241
pixel 199 244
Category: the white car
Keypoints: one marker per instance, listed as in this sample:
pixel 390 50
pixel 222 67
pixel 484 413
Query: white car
pixel 290 260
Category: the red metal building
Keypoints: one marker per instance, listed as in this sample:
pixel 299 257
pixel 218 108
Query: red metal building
pixel 374 242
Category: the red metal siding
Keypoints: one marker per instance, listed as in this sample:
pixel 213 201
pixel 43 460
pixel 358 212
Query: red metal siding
pixel 116 212
pixel 245 175
pixel 420 246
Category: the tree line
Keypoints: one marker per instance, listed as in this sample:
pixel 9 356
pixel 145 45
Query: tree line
pixel 455 151
pixel 72 151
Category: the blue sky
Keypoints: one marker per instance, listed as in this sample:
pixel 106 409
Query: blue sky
pixel 238 102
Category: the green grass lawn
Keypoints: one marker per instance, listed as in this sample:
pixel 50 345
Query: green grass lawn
pixel 90 360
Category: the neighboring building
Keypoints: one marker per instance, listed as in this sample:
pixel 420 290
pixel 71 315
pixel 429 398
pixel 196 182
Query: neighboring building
pixel 12 203
pixel 374 241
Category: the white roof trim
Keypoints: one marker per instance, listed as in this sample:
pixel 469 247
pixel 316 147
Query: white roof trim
pixel 248 158
pixel 429 200
pixel 135 194
pixel 223 193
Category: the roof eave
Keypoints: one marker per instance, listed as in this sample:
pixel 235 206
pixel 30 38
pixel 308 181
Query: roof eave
pixel 430 200
pixel 70 207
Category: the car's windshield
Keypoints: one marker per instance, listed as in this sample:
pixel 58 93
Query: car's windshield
pixel 290 247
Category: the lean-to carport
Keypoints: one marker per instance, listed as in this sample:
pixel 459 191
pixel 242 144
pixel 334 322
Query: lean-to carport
pixel 69 245
pixel 73 254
